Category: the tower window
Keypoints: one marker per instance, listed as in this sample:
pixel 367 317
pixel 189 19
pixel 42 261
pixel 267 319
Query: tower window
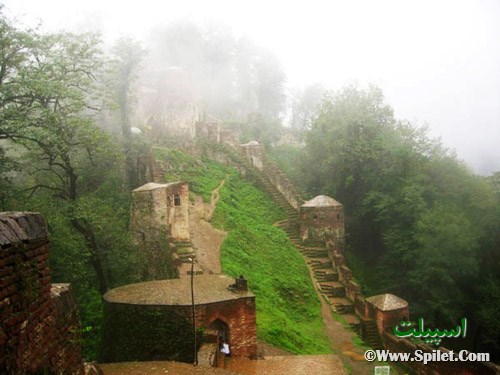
pixel 177 200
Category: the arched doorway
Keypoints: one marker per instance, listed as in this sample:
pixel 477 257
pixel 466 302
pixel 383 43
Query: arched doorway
pixel 222 330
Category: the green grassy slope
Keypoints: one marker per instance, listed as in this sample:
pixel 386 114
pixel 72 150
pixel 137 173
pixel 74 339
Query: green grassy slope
pixel 288 308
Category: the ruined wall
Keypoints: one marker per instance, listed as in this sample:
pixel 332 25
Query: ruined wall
pixel 254 153
pixel 151 332
pixel 40 326
pixel 210 131
pixel 66 338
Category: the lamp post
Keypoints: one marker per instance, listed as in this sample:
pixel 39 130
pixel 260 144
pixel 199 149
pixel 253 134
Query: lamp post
pixel 194 316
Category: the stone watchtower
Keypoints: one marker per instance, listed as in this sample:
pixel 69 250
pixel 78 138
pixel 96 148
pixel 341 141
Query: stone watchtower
pixel 160 212
pixel 322 219
pixel 159 217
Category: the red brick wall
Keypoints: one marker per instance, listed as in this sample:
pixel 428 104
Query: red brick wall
pixel 33 334
pixel 240 316
pixel 390 319
pixel 66 339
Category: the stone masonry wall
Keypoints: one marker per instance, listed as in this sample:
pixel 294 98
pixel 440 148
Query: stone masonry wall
pixel 255 156
pixel 282 183
pixel 322 224
pixel 40 329
pixel 154 215
pixel 179 215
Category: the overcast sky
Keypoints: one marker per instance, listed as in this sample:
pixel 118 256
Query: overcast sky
pixel 438 62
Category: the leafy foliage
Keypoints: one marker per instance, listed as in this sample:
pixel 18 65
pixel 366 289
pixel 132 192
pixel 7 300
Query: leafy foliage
pixel 66 167
pixel 418 223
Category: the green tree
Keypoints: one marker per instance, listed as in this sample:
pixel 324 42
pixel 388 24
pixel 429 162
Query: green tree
pixel 49 88
pixel 306 106
pixel 421 224
pixel 128 55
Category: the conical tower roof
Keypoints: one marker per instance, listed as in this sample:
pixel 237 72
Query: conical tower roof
pixel 322 201
pixel 387 302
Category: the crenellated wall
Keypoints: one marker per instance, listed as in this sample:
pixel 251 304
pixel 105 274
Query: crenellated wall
pixel 40 325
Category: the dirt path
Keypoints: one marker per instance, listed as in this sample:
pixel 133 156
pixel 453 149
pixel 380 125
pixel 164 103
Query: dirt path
pixel 341 338
pixel 206 240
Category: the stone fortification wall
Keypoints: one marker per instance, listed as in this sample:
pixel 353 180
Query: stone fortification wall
pixel 282 183
pixel 254 154
pixel 40 325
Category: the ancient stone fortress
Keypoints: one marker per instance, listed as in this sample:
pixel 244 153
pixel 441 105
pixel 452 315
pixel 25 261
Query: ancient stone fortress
pixel 40 328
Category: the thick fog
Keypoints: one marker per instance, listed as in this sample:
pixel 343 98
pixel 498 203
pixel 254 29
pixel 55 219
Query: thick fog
pixel 436 61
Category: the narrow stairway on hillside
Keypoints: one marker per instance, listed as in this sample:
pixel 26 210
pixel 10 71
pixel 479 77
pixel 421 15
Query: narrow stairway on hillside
pixel 326 278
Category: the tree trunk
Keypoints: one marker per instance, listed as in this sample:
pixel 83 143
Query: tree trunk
pixel 84 229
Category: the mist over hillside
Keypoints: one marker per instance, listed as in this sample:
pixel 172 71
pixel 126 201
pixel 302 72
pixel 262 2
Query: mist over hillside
pixel 436 63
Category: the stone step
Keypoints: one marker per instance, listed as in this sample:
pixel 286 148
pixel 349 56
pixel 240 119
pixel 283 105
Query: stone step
pixel 342 305
pixel 318 263
pixel 315 253
pixel 326 274
pixel 333 288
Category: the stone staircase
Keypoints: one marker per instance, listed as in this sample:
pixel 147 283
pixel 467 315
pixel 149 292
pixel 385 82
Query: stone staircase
pixel 370 334
pixel 316 256
pixel 182 252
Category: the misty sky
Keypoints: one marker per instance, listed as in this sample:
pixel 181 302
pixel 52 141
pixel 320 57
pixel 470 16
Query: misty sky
pixel 438 62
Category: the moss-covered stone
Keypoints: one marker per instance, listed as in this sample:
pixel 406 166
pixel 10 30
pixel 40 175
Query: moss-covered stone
pixel 139 333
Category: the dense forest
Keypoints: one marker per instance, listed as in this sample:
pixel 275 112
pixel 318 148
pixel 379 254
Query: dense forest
pixel 419 223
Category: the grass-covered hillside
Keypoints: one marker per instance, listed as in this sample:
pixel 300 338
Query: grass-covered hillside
pixel 288 308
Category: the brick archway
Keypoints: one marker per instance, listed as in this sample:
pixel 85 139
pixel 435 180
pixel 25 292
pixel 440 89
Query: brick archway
pixel 222 329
